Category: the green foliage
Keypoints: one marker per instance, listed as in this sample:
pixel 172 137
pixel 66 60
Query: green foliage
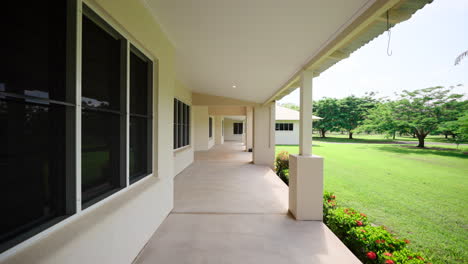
pixel 342 220
pixel 282 166
pixel 328 109
pixel 423 110
pixel 371 244
pixel 419 193
pixel 382 119
pixel 353 111
pixel 458 129
pixel 462 126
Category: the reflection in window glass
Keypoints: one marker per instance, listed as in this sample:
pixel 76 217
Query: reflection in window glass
pixel 100 156
pixel 138 147
pixel 32 165
pixel 140 118
pixel 100 131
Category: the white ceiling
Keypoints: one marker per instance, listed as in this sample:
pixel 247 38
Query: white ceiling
pixel 256 45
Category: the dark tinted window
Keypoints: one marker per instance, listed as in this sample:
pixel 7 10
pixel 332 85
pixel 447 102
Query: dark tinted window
pixel 138 147
pixel 100 153
pixel 140 118
pixel 33 119
pixel 32 165
pixel 210 128
pixel 181 124
pixel 32 48
pixel 103 142
pixel 100 67
pixel 139 70
pixel 284 126
pixel 238 128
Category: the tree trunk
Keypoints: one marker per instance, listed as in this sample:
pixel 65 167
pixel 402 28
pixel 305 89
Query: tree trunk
pixel 350 135
pixel 453 136
pixel 414 135
pixel 446 136
pixel 421 141
pixel 322 132
pixel 394 135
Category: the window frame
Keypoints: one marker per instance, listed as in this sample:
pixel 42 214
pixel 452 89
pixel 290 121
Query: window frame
pixel 149 116
pixel 210 127
pixel 284 126
pixel 185 123
pixel 70 104
pixel 74 207
pixel 239 126
pixel 124 108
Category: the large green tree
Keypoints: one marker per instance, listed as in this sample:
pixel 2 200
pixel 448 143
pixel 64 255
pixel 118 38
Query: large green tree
pixel 424 110
pixel 382 119
pixel 353 111
pixel 452 112
pixel 328 109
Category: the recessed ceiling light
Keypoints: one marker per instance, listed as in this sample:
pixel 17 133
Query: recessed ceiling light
pixel 234 86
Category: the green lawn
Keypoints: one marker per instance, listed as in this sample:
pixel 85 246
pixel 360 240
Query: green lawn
pixel 420 194
pixel 363 138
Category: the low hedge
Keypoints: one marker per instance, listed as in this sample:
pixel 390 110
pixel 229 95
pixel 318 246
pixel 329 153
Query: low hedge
pixel 371 244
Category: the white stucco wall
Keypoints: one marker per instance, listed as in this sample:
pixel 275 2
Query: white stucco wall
pixel 229 130
pixel 219 135
pixel 115 229
pixel 288 137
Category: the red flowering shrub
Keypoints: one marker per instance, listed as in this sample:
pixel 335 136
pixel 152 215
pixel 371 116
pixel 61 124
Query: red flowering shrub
pixel 371 255
pixel 342 220
pixel 371 244
pixel 329 202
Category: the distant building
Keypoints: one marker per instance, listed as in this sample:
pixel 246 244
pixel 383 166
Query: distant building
pixel 287 126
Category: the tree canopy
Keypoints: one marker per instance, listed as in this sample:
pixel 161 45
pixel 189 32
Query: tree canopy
pixel 327 109
pixel 419 112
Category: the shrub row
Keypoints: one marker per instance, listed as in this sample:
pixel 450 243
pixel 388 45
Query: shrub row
pixel 371 244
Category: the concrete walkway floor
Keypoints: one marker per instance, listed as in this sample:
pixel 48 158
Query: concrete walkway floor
pixel 227 210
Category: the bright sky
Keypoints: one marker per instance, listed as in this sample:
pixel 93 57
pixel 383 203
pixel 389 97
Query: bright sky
pixel 424 50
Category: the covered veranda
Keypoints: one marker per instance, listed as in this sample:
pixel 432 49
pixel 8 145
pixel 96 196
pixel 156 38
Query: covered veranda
pixel 228 210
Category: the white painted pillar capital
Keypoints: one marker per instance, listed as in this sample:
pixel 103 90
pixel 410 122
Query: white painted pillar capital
pixel 305 123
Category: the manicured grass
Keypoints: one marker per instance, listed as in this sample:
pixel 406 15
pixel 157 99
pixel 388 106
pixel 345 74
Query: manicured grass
pixel 421 194
pixel 364 138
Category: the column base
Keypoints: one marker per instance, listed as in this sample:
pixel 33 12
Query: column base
pixel 306 187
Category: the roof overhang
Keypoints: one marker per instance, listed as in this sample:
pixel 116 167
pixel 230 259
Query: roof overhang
pixel 369 25
pixel 256 50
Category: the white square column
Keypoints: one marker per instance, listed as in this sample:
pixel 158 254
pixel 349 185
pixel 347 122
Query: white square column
pixel 264 135
pixel 218 124
pixel 305 169
pixel 249 128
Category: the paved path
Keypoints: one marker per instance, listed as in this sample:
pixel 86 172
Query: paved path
pixel 227 210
